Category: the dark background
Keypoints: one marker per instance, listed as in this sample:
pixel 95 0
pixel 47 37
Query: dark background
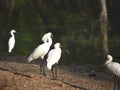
pixel 74 23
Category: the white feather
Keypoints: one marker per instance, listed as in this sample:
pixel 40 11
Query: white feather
pixel 45 37
pixel 54 56
pixel 113 67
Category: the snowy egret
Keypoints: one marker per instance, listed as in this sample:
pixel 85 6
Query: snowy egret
pixel 114 68
pixel 52 60
pixel 11 42
pixel 41 51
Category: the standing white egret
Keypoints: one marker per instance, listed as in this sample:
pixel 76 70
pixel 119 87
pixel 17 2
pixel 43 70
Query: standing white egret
pixel 114 68
pixel 11 42
pixel 52 60
pixel 41 51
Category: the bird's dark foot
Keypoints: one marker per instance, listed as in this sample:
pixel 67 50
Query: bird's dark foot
pixel 53 78
pixel 92 75
pixel 44 74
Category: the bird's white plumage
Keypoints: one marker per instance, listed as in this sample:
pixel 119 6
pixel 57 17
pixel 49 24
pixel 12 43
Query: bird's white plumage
pixel 42 49
pixel 45 37
pixel 11 42
pixel 54 56
pixel 113 67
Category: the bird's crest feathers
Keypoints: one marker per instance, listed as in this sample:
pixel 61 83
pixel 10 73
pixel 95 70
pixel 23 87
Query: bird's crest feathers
pixel 45 37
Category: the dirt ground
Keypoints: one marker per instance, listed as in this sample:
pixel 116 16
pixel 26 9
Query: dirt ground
pixel 17 74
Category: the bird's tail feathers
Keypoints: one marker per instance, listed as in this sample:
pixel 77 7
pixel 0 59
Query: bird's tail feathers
pixel 49 66
pixel 29 59
pixel 9 50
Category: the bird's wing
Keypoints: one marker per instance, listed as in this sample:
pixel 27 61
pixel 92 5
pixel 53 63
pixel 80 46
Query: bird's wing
pixel 54 56
pixel 11 43
pixel 114 68
pixel 50 54
pixel 40 51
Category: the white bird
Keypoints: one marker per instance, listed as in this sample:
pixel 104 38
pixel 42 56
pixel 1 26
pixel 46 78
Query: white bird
pixel 53 57
pixel 11 42
pixel 41 51
pixel 114 68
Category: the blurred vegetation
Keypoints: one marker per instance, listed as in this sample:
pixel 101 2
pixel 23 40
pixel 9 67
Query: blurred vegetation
pixel 74 23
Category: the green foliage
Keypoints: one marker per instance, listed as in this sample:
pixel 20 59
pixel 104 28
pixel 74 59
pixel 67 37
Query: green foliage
pixel 23 40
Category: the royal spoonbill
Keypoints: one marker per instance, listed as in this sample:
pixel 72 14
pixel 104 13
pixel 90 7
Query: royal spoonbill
pixel 41 51
pixel 52 60
pixel 11 42
pixel 114 68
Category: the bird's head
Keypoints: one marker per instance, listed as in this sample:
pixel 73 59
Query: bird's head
pixel 57 45
pixel 109 58
pixel 13 31
pixel 46 36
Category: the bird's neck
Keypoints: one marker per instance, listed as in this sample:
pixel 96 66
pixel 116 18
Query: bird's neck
pixel 57 47
pixel 12 34
pixel 49 41
pixel 108 61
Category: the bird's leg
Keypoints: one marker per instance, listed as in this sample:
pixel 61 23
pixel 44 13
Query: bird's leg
pixel 43 61
pixel 118 82
pixel 41 66
pixel 55 70
pixel 10 54
pixel 52 72
pixel 115 82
